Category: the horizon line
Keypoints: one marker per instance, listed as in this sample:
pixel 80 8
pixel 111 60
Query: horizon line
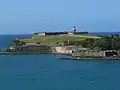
pixel 58 31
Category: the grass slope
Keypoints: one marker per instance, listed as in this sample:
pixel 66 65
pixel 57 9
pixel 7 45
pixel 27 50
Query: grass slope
pixel 54 39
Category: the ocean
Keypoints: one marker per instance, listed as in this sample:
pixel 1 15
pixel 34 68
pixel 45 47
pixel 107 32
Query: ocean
pixel 47 72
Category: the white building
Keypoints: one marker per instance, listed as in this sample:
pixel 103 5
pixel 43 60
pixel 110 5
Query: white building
pixel 41 34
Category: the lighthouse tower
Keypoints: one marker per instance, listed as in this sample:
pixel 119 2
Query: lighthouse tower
pixel 74 29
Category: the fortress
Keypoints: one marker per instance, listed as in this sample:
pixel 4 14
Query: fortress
pixel 73 32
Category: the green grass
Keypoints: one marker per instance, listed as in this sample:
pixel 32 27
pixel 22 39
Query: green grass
pixel 86 36
pixel 54 39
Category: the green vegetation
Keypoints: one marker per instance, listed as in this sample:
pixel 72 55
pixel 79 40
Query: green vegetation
pixel 57 39
pixel 111 42
pixel 17 42
pixel 38 42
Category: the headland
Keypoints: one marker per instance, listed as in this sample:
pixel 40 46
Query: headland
pixel 78 45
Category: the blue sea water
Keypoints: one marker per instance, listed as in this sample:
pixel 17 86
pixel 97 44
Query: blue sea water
pixel 46 72
pixel 105 33
pixel 5 40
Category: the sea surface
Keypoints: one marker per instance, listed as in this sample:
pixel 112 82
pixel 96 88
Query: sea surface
pixel 47 72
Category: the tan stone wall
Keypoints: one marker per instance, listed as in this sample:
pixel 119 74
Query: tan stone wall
pixel 63 49
pixel 89 53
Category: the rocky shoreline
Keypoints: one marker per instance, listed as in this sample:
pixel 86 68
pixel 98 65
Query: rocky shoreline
pixel 21 53
pixel 90 58
pixel 61 56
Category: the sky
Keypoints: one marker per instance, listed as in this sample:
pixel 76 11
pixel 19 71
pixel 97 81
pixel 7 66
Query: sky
pixel 28 16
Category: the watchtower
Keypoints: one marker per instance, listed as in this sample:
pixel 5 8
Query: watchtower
pixel 74 29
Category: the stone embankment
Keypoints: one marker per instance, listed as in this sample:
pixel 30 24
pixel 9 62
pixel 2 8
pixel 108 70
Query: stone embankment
pixel 21 53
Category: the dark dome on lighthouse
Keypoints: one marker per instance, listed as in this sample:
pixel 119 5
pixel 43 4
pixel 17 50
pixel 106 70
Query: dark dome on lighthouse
pixel 74 29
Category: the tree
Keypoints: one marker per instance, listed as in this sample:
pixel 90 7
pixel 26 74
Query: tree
pixel 111 42
pixel 84 43
pixel 77 43
pixel 22 43
pixel 38 43
pixel 16 42
pixel 57 42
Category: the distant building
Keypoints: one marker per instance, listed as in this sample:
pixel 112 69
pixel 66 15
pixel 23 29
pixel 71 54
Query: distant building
pixel 41 33
pixel 89 53
pixel 78 33
pixel 74 32
pixel 51 33
pixel 74 29
pixel 86 52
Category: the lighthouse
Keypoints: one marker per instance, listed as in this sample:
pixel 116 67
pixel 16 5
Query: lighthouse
pixel 74 29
